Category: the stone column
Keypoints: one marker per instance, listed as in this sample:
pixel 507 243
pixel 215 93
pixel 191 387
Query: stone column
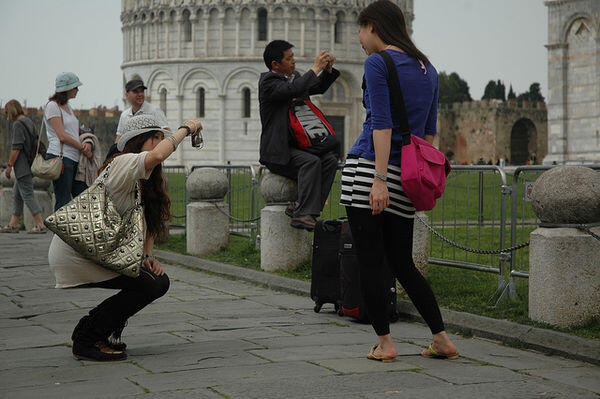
pixel 281 245
pixel 193 22
pixel 206 18
pixel 157 26
pixel 44 198
pixel 302 32
pixel 420 247
pixel 179 22
pixel 253 33
pixel 332 19
pixel 223 97
pixel 6 197
pixel 180 122
pixel 221 33
pixel 564 267
pixel 238 16
pixel 207 228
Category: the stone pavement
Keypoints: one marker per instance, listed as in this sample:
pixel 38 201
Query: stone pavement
pixel 212 337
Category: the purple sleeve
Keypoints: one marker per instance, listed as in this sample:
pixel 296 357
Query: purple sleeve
pixel 431 124
pixel 379 96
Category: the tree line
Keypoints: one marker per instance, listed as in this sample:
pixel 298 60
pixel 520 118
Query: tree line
pixel 452 88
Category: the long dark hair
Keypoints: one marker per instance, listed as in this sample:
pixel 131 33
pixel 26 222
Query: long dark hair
pixel 155 199
pixel 388 22
pixel 60 97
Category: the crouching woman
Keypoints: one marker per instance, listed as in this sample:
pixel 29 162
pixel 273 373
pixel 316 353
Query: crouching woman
pixel 142 149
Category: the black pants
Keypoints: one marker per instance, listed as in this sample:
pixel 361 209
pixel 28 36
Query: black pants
pixel 389 235
pixel 111 315
pixel 315 176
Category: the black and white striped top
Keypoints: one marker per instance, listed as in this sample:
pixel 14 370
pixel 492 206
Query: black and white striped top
pixel 357 179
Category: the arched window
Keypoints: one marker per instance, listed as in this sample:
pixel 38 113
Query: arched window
pixel 187 26
pixel 246 103
pixel 262 24
pixel 200 101
pixel 339 28
pixel 163 100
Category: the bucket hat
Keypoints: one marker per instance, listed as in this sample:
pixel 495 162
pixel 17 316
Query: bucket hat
pixel 137 125
pixel 67 81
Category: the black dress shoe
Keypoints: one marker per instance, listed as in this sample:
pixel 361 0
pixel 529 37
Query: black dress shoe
pixel 306 222
pixel 99 352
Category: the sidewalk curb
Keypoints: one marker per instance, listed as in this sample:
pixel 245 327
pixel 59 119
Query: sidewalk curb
pixel 507 332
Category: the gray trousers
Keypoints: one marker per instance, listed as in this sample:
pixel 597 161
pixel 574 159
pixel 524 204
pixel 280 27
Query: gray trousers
pixel 23 193
pixel 314 174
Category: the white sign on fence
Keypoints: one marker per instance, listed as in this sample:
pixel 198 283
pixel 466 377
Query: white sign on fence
pixel 528 190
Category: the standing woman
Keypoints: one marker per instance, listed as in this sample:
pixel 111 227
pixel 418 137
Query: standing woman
pixel 62 127
pixel 142 148
pixel 24 140
pixel 381 217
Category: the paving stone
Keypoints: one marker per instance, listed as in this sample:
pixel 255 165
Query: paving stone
pixel 351 365
pixel 204 393
pixel 32 336
pixel 349 338
pixel 95 388
pixel 220 375
pixel 251 333
pixel 582 377
pixel 456 373
pixel 329 386
pixel 287 301
pixel 512 358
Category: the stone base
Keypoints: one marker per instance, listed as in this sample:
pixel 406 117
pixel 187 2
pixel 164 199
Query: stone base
pixel 564 276
pixel 46 201
pixel 207 229
pixel 281 245
pixel 420 247
pixel 6 205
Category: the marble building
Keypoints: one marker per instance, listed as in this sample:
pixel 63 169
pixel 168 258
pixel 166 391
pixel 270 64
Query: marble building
pixel 202 59
pixel 573 81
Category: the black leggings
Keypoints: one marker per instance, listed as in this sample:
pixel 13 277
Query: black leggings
pixel 389 235
pixel 110 316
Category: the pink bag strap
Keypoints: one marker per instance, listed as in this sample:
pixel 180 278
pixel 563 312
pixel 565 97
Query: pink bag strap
pixel 398 108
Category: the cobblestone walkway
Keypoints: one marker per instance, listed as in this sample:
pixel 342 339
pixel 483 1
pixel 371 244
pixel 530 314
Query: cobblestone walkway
pixel 211 337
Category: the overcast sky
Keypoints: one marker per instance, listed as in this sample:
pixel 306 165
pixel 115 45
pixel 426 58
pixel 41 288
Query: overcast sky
pixel 478 39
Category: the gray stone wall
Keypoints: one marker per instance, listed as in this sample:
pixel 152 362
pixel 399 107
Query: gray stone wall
pixel 573 81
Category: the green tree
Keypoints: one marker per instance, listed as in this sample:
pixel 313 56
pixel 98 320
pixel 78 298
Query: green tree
pixel 494 90
pixel 452 88
pixel 534 94
pixel 511 94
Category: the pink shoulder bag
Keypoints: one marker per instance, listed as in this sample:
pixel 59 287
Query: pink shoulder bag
pixel 423 167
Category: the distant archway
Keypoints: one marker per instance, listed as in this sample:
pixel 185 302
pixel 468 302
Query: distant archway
pixel 523 141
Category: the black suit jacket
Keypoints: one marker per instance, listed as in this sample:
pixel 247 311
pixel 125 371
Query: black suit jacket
pixel 275 95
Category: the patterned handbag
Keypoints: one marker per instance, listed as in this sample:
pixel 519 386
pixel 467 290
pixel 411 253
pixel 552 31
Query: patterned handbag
pixel 93 227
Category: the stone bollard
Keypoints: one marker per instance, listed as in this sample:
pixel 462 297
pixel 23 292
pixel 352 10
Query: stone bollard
pixel 6 197
pixel 564 267
pixel 281 245
pixel 420 252
pixel 207 228
pixel 45 199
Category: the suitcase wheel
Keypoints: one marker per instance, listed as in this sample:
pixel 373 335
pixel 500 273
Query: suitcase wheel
pixel 318 307
pixel 340 312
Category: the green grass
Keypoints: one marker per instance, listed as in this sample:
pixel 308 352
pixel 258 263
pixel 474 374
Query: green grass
pixel 456 289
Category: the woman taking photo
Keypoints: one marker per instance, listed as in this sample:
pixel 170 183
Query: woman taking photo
pixel 142 149
pixel 381 217
pixel 62 127
pixel 24 140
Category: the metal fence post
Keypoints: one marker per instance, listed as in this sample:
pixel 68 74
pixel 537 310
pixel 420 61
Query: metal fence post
pixel 480 218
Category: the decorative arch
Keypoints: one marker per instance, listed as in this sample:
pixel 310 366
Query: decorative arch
pixel 191 72
pixel 572 19
pixel 523 141
pixel 235 72
pixel 154 74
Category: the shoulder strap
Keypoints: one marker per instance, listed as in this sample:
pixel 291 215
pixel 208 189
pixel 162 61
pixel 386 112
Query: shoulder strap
pixel 398 108
pixel 42 127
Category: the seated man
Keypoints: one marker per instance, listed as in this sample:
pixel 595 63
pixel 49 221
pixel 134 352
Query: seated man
pixel 276 91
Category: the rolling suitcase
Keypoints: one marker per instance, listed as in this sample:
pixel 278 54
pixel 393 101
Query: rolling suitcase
pixel 351 301
pixel 325 285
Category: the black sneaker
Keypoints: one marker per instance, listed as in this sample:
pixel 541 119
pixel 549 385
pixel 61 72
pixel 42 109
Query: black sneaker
pixel 99 352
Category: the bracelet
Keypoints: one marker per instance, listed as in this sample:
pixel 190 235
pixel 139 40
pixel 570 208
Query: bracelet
pixel 148 256
pixel 186 127
pixel 173 141
pixel 381 177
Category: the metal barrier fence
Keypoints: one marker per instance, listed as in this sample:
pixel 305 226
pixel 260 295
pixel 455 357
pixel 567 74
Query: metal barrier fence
pixel 523 219
pixel 469 228
pixel 243 198
pixel 176 176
